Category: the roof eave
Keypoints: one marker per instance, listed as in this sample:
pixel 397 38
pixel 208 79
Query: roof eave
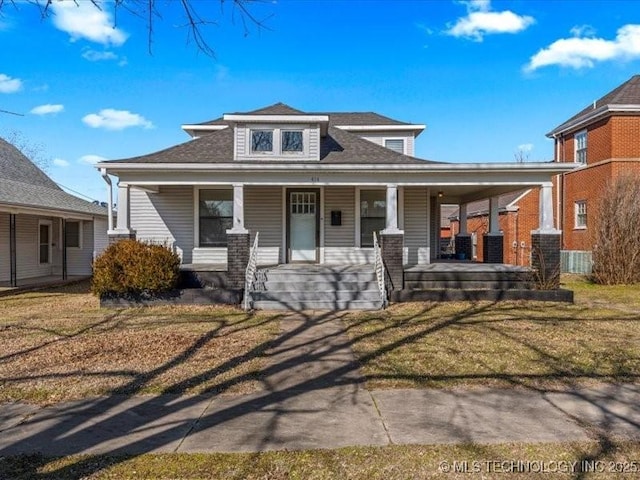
pixel 417 129
pixel 592 116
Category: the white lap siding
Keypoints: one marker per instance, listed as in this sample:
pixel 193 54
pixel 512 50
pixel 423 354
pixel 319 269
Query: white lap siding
pixel 165 217
pixel 79 259
pixel 415 225
pixel 339 241
pixel 5 267
pixel 263 213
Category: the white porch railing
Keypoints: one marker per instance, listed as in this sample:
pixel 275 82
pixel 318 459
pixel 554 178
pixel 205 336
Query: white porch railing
pixel 250 273
pixel 378 266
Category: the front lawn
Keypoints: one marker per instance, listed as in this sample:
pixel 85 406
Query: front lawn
pixel 531 344
pixel 505 461
pixel 57 344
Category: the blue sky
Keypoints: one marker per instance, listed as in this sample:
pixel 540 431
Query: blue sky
pixel 487 78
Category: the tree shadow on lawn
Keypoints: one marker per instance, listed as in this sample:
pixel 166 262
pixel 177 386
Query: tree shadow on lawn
pixel 153 423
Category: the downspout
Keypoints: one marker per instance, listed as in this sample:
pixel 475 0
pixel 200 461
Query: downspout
pixel 105 176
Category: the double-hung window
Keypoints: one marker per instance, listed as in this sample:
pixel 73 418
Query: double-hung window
pixel 580 140
pixel 73 234
pixel 581 214
pixel 373 214
pixel 215 217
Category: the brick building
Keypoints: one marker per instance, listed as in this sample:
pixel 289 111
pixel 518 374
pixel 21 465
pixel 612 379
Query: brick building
pixel 604 139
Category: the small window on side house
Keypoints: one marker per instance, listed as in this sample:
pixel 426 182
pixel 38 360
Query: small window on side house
pixel 580 140
pixel 395 144
pixel 292 141
pixel 73 234
pixel 581 214
pixel 262 140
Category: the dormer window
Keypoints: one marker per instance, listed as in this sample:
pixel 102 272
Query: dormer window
pixel 262 140
pixel 292 141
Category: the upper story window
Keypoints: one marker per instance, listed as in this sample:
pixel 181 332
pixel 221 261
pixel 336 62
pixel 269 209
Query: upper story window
pixel 262 140
pixel 277 141
pixel 292 141
pixel 581 214
pixel 395 144
pixel 580 140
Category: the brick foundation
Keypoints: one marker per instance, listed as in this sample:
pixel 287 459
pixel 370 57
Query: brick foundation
pixel 392 249
pixel 116 237
pixel 545 259
pixel 464 246
pixel 493 248
pixel 237 258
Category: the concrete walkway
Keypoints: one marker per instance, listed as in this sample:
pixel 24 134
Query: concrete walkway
pixel 314 397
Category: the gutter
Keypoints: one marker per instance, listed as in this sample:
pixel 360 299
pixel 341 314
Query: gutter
pixel 105 176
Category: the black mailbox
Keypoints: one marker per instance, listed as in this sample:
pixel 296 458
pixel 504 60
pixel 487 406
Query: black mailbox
pixel 336 217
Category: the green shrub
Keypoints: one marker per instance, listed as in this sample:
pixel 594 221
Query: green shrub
pixel 130 267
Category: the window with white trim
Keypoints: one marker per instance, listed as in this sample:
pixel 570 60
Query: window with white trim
pixel 261 141
pixel 291 141
pixel 580 140
pixel 581 214
pixel 44 242
pixel 215 209
pixel 73 234
pixel 373 214
pixel 395 144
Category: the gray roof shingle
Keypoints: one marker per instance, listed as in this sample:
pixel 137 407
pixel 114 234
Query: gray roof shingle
pixel 626 94
pixel 22 183
pixel 335 118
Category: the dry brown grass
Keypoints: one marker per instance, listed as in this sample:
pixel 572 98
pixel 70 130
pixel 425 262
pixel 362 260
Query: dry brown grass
pixel 59 345
pixel 560 460
pixel 531 344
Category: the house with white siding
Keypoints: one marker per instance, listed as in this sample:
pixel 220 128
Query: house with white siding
pixel 46 234
pixel 314 187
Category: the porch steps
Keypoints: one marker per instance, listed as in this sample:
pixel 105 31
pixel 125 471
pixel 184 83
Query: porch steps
pixel 313 287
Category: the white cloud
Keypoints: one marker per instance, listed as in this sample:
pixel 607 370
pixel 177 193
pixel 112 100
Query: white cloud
pixel 96 56
pixel 84 20
pixel 59 162
pixel 90 159
pixel 584 52
pixel 583 31
pixel 9 85
pixel 525 147
pixel 47 109
pixel 111 119
pixel 481 21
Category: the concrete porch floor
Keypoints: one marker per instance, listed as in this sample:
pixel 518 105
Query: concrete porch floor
pixel 40 282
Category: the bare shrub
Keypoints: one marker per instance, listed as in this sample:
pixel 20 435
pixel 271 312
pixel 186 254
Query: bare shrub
pixel 616 253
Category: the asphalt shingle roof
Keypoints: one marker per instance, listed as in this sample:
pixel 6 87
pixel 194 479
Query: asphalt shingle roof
pixel 338 147
pixel 335 118
pixel 626 94
pixel 22 183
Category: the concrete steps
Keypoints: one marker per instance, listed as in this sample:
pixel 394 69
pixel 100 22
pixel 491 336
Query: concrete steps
pixel 314 287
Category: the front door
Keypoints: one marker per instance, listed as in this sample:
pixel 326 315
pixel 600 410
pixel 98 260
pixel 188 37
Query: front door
pixel 303 226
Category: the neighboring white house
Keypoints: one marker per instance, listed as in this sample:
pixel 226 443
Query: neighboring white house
pixel 315 185
pixel 34 213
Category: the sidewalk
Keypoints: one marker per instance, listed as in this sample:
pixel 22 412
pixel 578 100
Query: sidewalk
pixel 315 398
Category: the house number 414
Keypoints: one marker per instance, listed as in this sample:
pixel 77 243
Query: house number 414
pixel 315 179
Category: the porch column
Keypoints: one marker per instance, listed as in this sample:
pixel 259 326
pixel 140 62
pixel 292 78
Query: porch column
pixel 64 249
pixel 12 250
pixel 122 230
pixel 464 249
pixel 546 243
pixel 392 240
pixel 493 248
pixel 238 241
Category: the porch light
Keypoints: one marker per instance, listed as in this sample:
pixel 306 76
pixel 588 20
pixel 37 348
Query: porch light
pixel 440 194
